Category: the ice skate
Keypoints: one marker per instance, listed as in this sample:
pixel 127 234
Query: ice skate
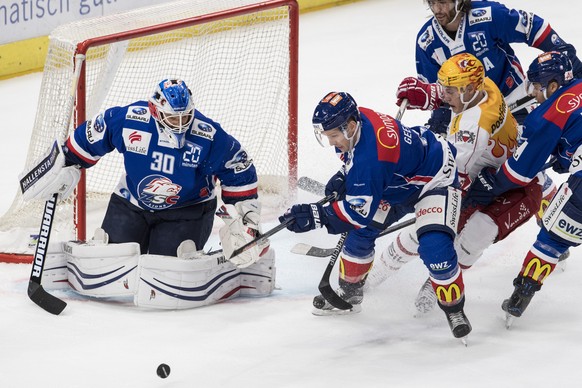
pixel 458 321
pixel 515 306
pixel 426 298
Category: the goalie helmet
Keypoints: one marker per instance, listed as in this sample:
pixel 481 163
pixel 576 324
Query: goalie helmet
pixel 172 107
pixel 334 111
pixel 550 66
pixel 461 70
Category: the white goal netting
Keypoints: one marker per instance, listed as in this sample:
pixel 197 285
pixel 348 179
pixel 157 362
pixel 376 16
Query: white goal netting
pixel 237 57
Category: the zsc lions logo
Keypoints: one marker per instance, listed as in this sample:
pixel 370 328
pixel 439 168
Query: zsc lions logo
pixel 158 192
pixel 239 162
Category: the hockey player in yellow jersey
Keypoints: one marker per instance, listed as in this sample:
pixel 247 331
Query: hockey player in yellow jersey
pixel 485 134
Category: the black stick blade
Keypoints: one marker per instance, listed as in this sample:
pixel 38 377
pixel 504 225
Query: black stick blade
pixel 46 301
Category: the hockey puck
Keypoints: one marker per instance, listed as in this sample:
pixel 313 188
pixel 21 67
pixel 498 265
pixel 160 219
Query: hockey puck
pixel 163 371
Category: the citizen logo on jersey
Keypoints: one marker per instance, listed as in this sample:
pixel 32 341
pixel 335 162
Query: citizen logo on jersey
pixel 136 141
pixel 204 130
pixel 158 192
pixel 239 162
pixel 480 15
pixel 138 113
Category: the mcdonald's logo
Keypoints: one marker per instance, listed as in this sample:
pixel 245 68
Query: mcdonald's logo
pixel 535 269
pixel 445 293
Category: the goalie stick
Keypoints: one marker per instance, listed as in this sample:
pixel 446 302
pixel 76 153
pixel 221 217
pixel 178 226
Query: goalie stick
pixel 324 287
pixel 36 292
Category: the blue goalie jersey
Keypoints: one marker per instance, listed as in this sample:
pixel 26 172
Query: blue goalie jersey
pixel 157 175
pixel 486 32
pixel 390 165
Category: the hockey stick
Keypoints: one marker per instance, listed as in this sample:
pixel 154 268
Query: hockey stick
pixel 521 103
pixel 311 250
pixel 263 237
pixel 36 292
pixel 324 287
pixel 311 185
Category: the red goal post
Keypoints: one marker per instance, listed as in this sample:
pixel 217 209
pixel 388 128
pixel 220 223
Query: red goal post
pixel 239 58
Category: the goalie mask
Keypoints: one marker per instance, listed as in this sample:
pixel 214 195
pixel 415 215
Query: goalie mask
pixel 172 107
pixel 335 111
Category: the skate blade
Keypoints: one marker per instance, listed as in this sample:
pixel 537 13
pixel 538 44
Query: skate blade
pixel 509 319
pixel 324 313
pixel 464 340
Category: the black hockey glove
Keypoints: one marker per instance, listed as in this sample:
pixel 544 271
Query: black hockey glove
pixel 482 189
pixel 337 185
pixel 305 217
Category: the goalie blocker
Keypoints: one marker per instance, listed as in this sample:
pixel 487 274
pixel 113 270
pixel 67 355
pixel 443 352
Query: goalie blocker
pixel 101 270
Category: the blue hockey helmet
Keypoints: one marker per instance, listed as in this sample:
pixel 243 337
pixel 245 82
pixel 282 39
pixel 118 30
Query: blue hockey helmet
pixel 172 107
pixel 550 66
pixel 335 111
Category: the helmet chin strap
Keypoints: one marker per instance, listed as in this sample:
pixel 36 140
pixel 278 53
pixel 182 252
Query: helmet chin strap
pixel 458 12
pixel 352 139
pixel 466 103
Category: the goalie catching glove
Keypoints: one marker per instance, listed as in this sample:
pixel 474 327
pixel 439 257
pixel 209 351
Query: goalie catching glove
pixel 420 95
pixel 241 226
pixel 49 175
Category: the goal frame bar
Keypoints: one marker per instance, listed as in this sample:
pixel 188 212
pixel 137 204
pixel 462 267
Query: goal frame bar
pixel 80 205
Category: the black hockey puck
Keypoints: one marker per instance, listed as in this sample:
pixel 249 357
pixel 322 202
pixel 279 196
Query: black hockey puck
pixel 163 371
pixel 318 302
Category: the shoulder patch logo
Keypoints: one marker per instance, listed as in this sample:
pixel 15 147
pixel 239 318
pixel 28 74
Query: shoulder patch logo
pixel 480 15
pixel 426 38
pixel 202 129
pixel 138 113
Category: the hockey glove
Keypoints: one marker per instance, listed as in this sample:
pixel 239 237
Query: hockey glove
pixel 49 175
pixel 241 226
pixel 439 121
pixel 337 185
pixel 482 190
pixel 305 217
pixel 420 95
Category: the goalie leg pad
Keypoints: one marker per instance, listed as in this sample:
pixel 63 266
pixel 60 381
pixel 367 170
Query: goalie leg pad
pixel 167 282
pixel 54 275
pixel 258 279
pixel 102 271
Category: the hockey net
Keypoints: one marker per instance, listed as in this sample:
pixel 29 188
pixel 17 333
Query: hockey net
pixel 239 58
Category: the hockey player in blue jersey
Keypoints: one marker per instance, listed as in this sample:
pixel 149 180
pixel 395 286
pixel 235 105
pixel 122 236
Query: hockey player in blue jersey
pixel 172 156
pixel 554 128
pixel 485 29
pixel 388 171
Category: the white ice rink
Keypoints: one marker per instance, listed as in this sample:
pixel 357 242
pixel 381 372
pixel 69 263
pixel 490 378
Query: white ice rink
pixel 364 48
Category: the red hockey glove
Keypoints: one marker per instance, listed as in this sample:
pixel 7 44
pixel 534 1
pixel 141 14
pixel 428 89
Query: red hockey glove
pixel 420 95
